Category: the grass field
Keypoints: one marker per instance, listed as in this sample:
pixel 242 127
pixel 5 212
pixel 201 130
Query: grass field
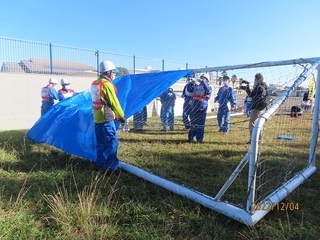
pixel 48 194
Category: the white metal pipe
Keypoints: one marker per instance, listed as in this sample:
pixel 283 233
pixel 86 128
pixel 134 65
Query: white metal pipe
pixel 254 148
pixel 315 123
pixel 276 104
pixel 232 177
pixel 226 209
pixel 282 192
pixel 261 64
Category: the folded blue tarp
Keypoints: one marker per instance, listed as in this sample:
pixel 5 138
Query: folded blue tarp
pixel 69 124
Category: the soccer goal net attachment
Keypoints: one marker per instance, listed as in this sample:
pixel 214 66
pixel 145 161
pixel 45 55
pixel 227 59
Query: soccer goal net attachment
pixel 242 181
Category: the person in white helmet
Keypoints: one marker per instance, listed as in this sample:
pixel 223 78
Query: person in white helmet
pixel 106 108
pixel 65 92
pixel 186 110
pixel 48 95
pixel 201 93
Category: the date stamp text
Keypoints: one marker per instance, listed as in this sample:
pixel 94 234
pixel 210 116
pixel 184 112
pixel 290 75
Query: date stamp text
pixel 278 206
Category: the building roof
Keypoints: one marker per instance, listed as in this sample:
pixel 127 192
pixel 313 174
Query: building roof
pixel 11 67
pixel 38 65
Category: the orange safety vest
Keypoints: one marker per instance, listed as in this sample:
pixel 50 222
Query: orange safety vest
pixel 198 93
pixel 45 93
pixel 66 94
pixel 96 94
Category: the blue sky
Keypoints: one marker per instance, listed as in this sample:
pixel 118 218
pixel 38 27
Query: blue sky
pixel 203 32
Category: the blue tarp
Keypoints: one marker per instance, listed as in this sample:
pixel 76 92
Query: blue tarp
pixel 69 125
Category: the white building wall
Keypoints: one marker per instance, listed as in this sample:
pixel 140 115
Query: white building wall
pixel 20 99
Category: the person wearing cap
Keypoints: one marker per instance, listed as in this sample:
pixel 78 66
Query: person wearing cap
pixel 48 95
pixel 167 99
pixel 227 100
pixel 201 93
pixel 65 92
pixel 186 110
pixel 106 108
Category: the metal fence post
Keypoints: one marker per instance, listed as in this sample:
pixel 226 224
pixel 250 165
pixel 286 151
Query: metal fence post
pixel 51 64
pixel 97 55
pixel 134 64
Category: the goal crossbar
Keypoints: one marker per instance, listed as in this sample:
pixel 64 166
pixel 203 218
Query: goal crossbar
pixel 247 215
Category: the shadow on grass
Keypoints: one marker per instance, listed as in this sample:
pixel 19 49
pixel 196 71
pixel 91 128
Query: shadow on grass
pixel 203 167
pixel 41 169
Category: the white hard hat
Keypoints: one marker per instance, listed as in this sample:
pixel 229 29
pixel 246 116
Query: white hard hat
pixel 225 78
pixel 205 75
pixel 53 80
pixel 106 66
pixel 64 81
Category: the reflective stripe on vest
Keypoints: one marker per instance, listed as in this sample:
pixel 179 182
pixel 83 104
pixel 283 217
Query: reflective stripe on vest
pixel 96 94
pixel 198 93
pixel 66 94
pixel 45 93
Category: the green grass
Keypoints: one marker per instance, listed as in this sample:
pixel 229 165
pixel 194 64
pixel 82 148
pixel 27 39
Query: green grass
pixel 48 194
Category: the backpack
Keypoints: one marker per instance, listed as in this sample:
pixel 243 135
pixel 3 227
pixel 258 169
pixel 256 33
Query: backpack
pixel 295 111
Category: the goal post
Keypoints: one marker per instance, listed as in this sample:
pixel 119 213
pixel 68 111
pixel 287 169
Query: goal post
pixel 288 187
pixel 270 169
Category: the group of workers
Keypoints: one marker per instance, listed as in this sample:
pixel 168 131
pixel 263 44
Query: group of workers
pixel 49 94
pixel 196 93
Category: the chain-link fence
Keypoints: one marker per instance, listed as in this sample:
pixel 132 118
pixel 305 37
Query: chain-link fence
pixel 25 56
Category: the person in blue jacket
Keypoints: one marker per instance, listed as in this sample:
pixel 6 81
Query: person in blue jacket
pixel 140 119
pixel 186 110
pixel 227 100
pixel 48 95
pixel 201 93
pixel 167 99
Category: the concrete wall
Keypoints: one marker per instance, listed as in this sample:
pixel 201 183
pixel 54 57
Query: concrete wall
pixel 20 98
pixel 21 101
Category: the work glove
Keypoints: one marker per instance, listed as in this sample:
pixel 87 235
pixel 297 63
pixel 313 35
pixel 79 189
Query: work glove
pixel 121 119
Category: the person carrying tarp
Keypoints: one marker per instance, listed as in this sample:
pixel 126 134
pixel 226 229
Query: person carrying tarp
pixel 48 95
pixel 106 108
pixel 201 93
pixel 65 92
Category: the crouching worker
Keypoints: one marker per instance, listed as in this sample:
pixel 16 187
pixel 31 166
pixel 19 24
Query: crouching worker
pixel 106 108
